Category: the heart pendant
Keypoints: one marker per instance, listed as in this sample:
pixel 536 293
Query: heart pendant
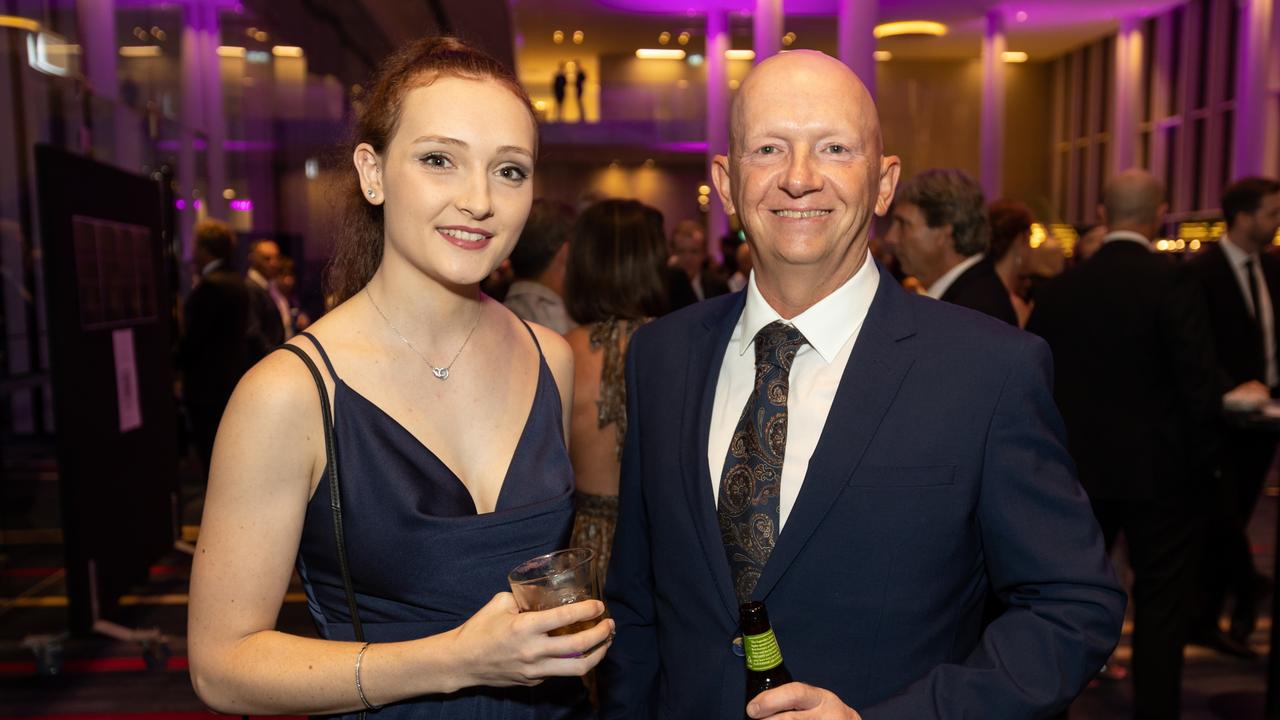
pixel 441 373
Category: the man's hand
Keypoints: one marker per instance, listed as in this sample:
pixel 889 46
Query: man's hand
pixel 797 701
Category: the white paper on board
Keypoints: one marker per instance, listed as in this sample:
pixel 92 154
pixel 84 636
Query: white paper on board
pixel 126 380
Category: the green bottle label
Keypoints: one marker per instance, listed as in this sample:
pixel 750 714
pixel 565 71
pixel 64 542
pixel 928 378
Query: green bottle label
pixel 762 651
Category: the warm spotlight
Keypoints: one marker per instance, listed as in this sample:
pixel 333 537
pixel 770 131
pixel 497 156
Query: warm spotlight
pixel 140 51
pixel 659 54
pixel 739 54
pixel 664 37
pixel 1013 56
pixel 557 37
pixel 683 38
pixel 579 37
pixel 286 51
pixel 789 39
pixel 910 27
pixel 882 55
pixel 231 51
pixel 18 22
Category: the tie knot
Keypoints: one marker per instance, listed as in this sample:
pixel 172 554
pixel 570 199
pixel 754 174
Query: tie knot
pixel 777 343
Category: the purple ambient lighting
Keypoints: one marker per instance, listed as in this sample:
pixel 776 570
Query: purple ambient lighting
pixel 197 204
pixel 230 145
pixel 244 205
pixel 180 204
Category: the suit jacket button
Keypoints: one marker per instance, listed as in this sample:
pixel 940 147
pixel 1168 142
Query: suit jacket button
pixel 737 647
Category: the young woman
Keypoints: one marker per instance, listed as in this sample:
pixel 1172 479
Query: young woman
pixel 613 285
pixel 449 435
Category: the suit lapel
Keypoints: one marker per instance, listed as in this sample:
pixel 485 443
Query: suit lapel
pixel 877 365
pixel 707 348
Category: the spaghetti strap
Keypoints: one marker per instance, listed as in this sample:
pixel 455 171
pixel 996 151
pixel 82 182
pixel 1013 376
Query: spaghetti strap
pixel 323 355
pixel 532 334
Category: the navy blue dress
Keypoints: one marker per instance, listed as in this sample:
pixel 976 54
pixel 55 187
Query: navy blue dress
pixel 422 560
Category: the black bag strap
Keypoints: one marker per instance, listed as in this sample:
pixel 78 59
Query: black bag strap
pixel 335 498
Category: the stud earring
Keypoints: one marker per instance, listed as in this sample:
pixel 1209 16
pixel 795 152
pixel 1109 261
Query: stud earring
pixel 372 192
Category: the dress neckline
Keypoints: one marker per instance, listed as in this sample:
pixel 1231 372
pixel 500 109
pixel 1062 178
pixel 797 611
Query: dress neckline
pixel 340 385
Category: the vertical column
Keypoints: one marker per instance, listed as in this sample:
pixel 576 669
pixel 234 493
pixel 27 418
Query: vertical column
pixel 717 117
pixel 767 31
pixel 993 88
pixel 202 107
pixel 1252 93
pixel 855 39
pixel 96 20
pixel 1128 93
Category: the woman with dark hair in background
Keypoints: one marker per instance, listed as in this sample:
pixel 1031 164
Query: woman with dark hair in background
pixel 1019 265
pixel 448 442
pixel 613 286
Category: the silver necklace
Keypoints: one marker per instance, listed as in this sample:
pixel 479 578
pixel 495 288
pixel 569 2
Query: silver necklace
pixel 441 373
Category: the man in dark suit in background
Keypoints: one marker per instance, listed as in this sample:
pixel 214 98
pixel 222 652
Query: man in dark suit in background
pixel 873 465
pixel 1134 381
pixel 940 233
pixel 1241 286
pixel 220 339
pixel 689 253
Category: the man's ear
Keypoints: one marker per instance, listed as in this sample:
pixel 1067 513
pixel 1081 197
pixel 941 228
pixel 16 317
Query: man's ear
pixel 890 168
pixel 724 186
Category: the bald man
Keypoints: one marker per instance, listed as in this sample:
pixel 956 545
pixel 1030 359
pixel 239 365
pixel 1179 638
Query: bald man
pixel 1135 382
pixel 873 465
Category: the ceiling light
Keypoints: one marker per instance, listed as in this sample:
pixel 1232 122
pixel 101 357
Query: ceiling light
pixel 19 23
pixel 289 51
pixel 261 36
pixel 1013 56
pixel 231 51
pixel 140 51
pixel 557 37
pixel 910 27
pixel 739 54
pixel 664 37
pixel 788 39
pixel 659 54
pixel 882 55
pixel 578 37
pixel 683 38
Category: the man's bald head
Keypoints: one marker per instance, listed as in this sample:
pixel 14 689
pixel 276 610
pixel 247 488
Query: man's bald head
pixel 1134 199
pixel 797 73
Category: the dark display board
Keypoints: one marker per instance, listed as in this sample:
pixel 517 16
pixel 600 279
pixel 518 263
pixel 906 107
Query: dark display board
pixel 110 342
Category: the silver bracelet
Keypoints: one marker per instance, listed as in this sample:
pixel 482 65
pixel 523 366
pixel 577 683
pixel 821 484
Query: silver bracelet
pixel 359 687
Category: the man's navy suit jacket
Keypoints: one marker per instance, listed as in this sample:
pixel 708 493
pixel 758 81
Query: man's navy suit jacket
pixel 940 479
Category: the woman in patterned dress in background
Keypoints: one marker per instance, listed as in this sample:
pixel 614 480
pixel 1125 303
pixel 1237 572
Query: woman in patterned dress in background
pixel 614 284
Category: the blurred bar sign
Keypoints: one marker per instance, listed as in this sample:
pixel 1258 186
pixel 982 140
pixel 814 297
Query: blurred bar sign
pixel 51 54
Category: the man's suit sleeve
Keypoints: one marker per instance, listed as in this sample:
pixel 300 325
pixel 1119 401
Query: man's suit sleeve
pixel 628 673
pixel 1045 560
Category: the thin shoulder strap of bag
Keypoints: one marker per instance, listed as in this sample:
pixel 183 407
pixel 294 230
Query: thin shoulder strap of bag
pixel 335 498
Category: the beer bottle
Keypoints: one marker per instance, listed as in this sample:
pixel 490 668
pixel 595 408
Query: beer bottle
pixel 765 668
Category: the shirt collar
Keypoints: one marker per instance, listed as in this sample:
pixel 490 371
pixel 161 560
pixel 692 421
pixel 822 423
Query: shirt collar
pixel 258 278
pixel 942 284
pixel 210 267
pixel 1236 255
pixel 827 325
pixel 1129 236
pixel 529 287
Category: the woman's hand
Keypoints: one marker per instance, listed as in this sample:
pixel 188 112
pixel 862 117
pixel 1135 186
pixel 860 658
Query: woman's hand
pixel 502 646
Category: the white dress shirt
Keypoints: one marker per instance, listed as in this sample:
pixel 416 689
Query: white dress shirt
pixel 831 328
pixel 1237 257
pixel 942 284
